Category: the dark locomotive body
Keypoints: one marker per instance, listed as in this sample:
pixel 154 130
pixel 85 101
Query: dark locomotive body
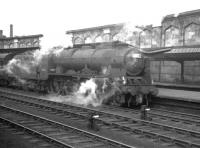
pixel 118 62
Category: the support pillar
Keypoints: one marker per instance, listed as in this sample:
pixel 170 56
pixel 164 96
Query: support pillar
pixel 159 71
pixel 182 71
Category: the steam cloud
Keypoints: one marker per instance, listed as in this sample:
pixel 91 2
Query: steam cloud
pixel 27 62
pixel 91 92
pixel 129 34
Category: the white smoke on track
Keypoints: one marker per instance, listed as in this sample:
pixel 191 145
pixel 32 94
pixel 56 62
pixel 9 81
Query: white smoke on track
pixel 91 92
pixel 86 94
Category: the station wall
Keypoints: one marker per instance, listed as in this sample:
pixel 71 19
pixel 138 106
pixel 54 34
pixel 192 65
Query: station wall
pixel 183 31
pixel 170 72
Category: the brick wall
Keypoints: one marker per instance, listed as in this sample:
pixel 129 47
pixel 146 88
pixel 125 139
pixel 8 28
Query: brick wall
pixel 166 71
pixel 192 72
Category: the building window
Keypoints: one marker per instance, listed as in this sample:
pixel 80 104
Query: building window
pixel 78 40
pixel 106 37
pixel 88 40
pixel 192 34
pixel 22 44
pixel 145 39
pixel 15 43
pixel 98 39
pixel 28 44
pixel 35 43
pixel 156 37
pixel 172 35
pixel 6 44
pixel 11 45
pixel 116 37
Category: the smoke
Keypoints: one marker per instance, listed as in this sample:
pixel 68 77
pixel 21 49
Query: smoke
pixel 22 65
pixel 26 63
pixel 86 94
pixel 39 54
pixel 16 67
pixel 92 92
pixel 129 34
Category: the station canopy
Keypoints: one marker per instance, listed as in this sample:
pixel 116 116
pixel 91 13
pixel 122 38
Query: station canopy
pixel 180 53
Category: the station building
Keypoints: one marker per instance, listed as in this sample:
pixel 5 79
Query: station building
pixel 13 45
pixel 180 33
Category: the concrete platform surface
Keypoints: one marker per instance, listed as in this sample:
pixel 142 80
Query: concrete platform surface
pixel 192 96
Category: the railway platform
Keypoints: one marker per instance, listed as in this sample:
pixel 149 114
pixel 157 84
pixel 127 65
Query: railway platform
pixel 185 95
pixel 178 86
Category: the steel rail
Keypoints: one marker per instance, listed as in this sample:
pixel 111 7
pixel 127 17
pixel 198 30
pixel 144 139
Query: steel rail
pixel 135 111
pixel 92 135
pixel 34 132
pixel 138 121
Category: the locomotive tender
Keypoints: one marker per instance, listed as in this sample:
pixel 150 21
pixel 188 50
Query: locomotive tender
pixel 114 61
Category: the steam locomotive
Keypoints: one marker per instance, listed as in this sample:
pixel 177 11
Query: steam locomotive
pixel 118 63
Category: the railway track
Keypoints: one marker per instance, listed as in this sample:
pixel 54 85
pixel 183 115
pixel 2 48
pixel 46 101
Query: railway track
pixel 166 135
pixel 174 104
pixel 190 121
pixel 22 133
pixel 55 133
pixel 177 119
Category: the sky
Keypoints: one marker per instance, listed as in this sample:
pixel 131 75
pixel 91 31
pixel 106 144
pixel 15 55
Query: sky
pixel 53 18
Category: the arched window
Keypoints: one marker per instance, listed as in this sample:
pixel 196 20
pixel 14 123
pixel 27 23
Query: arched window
pixel 6 44
pixel 11 45
pixel 156 37
pixel 88 40
pixel 16 43
pixel 192 34
pixel 106 37
pixel 78 40
pixel 98 39
pixel 115 37
pixel 28 44
pixel 36 43
pixel 145 39
pixel 22 44
pixel 172 36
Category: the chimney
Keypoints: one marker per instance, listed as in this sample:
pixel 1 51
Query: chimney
pixel 11 30
pixel 1 33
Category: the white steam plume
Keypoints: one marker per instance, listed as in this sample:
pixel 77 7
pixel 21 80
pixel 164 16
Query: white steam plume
pixel 92 92
pixel 27 62
pixel 129 34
